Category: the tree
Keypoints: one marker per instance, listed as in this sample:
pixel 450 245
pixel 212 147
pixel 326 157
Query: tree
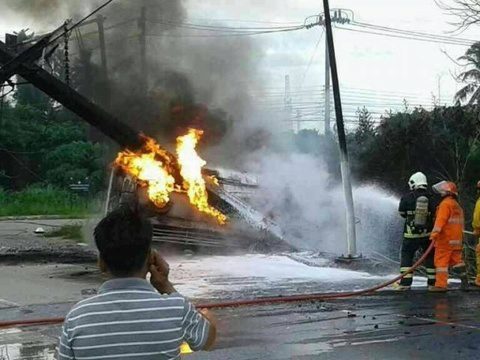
pixel 471 76
pixel 467 12
pixel 443 143
pixel 42 143
pixel 366 125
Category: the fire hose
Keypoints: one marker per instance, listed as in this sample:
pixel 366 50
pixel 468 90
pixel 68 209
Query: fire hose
pixel 255 301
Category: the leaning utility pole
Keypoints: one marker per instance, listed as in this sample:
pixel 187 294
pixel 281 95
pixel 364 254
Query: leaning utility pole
pixel 344 167
pixel 327 90
pixel 337 18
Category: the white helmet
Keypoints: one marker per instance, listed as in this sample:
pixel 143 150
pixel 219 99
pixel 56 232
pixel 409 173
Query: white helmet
pixel 418 181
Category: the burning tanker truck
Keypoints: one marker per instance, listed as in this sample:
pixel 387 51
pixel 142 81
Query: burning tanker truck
pixel 158 177
pixel 168 186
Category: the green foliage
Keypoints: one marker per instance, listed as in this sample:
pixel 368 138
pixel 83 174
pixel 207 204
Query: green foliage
pixel 72 162
pixel 471 76
pixel 42 200
pixel 43 143
pixel 443 143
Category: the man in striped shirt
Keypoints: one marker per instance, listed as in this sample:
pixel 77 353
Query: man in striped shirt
pixel 131 318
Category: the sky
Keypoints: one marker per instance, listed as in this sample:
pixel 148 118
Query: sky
pixel 386 67
pixel 364 60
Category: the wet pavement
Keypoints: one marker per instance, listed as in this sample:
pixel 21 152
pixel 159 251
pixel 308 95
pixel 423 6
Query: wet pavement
pixel 386 325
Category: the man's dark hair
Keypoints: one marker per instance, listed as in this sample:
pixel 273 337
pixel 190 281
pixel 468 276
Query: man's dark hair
pixel 123 238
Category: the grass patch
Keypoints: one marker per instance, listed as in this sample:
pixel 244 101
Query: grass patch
pixel 46 200
pixel 71 232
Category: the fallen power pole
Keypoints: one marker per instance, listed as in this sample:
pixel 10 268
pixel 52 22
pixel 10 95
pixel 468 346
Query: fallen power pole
pixel 119 132
pixel 344 167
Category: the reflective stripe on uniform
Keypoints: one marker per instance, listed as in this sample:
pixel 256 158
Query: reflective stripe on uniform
pixel 455 242
pixel 455 220
pixel 441 270
pixel 403 270
pixel 436 229
pixel 430 276
pixel 431 270
pixel 415 236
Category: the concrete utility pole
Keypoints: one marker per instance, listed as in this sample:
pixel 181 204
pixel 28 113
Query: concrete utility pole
pixel 344 167
pixel 327 90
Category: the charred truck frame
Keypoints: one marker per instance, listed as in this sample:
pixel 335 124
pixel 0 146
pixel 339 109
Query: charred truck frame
pixel 16 59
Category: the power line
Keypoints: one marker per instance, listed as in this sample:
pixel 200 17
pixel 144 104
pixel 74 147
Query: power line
pixel 311 58
pixel 78 23
pixel 424 39
pixel 219 28
pixel 412 32
pixel 234 34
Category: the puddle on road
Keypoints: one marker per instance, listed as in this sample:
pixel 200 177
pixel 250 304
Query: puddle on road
pixel 19 344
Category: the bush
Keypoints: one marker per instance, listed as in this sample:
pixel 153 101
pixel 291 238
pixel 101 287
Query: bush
pixel 47 200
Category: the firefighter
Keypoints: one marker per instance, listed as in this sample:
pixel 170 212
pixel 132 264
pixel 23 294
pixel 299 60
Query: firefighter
pixel 418 209
pixel 447 233
pixel 476 232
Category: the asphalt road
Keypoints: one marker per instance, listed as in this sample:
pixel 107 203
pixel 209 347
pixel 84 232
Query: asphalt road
pixel 387 325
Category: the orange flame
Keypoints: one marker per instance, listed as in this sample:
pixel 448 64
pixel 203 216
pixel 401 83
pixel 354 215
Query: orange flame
pixel 144 166
pixel 157 169
pixel 191 170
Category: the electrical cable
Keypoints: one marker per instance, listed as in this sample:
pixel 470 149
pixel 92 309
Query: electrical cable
pixel 219 28
pixel 248 33
pixel 78 23
pixel 311 58
pixel 252 302
pixel 404 37
pixel 413 33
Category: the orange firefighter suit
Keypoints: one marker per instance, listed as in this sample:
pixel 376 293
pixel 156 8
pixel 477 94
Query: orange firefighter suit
pixel 476 231
pixel 448 236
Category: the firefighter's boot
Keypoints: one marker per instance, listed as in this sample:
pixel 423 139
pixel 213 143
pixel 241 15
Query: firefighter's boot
pixel 437 289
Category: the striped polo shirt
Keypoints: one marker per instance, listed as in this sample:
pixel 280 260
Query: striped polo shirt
pixel 129 319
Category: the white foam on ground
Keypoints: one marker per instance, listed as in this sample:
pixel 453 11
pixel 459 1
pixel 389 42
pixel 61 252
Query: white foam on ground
pixel 200 276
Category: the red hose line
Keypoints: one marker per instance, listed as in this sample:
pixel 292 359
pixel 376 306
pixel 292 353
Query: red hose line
pixel 257 301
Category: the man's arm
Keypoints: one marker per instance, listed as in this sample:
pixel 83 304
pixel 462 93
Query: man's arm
pixel 199 328
pixel 159 270
pixel 212 334
pixel 64 349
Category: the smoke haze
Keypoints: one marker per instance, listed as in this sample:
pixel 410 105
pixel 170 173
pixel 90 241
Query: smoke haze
pixel 207 82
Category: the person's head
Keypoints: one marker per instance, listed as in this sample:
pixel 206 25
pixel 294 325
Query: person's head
pixel 123 239
pixel 417 181
pixel 445 188
pixel 478 188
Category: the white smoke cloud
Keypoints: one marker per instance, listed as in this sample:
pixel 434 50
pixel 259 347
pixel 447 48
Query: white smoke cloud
pixel 299 194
